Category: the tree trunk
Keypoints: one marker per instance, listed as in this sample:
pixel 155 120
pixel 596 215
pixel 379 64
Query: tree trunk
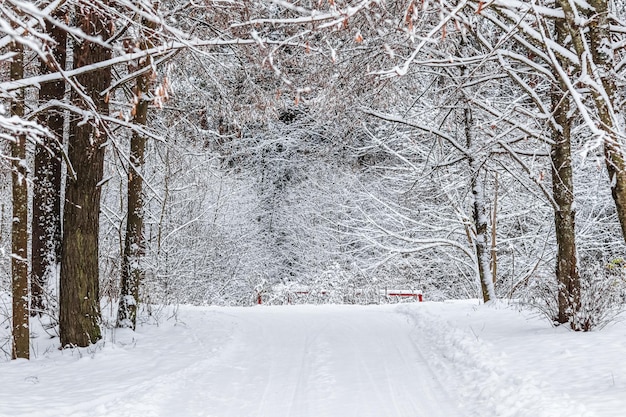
pixel 134 245
pixel 79 313
pixel 601 68
pixel 19 229
pixel 600 40
pixel 46 222
pixel 563 192
pixel 478 212
pixel 494 234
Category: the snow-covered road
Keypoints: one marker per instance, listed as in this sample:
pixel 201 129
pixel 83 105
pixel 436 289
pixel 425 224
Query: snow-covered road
pixel 458 359
pixel 312 362
pixel 242 362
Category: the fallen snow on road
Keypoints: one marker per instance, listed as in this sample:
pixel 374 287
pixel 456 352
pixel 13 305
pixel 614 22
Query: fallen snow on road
pixel 423 359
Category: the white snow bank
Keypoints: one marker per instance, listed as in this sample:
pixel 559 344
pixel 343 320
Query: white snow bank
pixel 507 363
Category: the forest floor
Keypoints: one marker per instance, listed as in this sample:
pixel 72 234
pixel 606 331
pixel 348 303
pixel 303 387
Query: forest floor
pixel 421 359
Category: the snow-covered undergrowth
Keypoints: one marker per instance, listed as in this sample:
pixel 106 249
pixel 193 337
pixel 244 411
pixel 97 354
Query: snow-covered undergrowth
pixel 423 359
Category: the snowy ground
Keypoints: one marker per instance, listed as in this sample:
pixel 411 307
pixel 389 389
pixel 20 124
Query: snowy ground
pixel 424 359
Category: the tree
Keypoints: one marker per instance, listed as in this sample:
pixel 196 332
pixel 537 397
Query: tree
pixel 46 222
pixel 21 37
pixel 134 242
pixel 568 57
pixel 563 191
pixel 544 69
pixel 79 312
pixel 19 230
pixel 597 71
pixel 479 214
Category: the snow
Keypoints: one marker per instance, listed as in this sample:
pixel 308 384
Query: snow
pixel 415 359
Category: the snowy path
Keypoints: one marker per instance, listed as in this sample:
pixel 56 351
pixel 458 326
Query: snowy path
pixel 452 359
pixel 293 361
pixel 324 362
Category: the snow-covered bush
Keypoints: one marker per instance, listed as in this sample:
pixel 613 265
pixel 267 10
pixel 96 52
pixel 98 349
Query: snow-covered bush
pixel 603 293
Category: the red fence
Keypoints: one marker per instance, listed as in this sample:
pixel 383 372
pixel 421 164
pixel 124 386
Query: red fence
pixel 303 295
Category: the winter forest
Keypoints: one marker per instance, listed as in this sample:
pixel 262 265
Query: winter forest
pixel 220 152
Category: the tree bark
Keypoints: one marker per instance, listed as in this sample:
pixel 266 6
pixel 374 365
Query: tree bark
pixel 46 222
pixel 494 234
pixel 564 216
pixel 79 310
pixel 134 244
pixel 19 229
pixel 478 212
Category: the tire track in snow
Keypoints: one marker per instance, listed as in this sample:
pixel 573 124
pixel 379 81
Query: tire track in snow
pixel 308 361
pixel 350 366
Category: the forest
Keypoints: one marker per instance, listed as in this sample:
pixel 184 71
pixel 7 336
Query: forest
pixel 208 152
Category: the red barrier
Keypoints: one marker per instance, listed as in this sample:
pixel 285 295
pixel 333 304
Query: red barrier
pixel 384 293
pixel 417 295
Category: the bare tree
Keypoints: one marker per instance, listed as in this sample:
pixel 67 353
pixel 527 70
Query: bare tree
pixel 479 211
pixel 134 243
pixel 563 191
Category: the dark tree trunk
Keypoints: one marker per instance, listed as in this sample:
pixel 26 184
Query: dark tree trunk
pixel 134 245
pixel 79 313
pixel 564 215
pixel 563 193
pixel 19 225
pixel 46 226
